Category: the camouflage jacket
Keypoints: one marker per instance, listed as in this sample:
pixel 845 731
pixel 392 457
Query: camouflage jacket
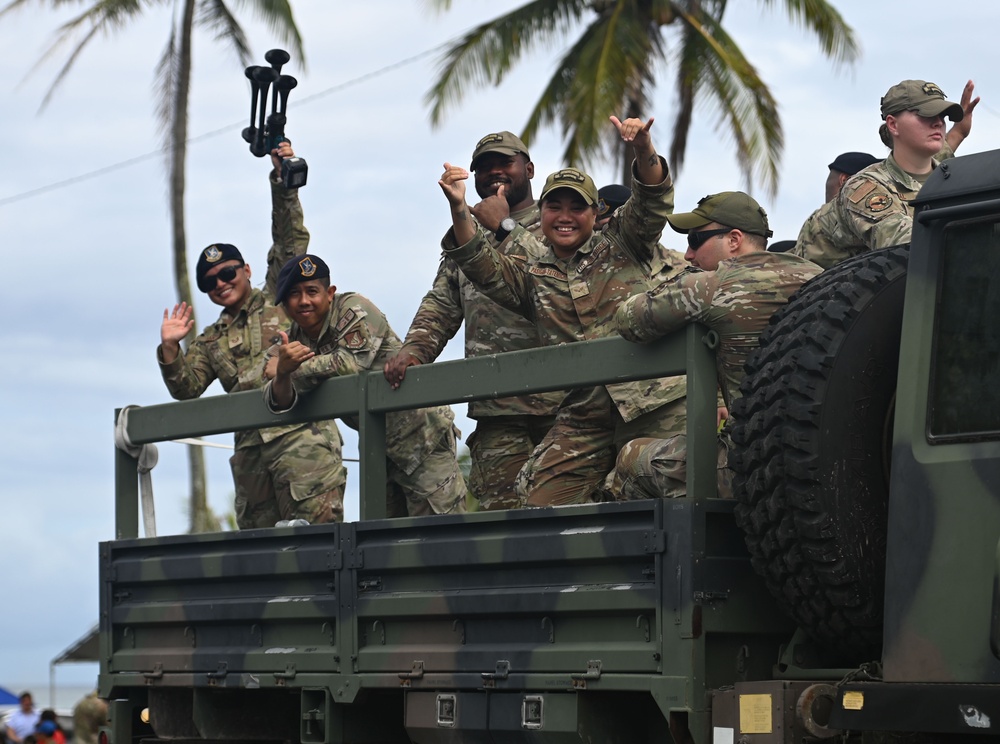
pixel 736 300
pixel 356 337
pixel 235 348
pixel 574 299
pixel 489 328
pixel 872 211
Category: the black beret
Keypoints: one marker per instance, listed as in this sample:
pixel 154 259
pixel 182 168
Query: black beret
pixel 852 162
pixel 609 198
pixel 213 256
pixel 297 270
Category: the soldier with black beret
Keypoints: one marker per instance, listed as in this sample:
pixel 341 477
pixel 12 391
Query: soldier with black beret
pixel 283 472
pixel 344 334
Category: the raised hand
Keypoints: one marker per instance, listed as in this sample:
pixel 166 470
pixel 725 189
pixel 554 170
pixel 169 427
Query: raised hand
pixel 452 183
pixel 176 324
pixel 634 130
pixel 492 210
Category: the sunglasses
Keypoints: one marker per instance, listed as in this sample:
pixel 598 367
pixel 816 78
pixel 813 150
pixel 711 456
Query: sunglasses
pixel 697 239
pixel 207 283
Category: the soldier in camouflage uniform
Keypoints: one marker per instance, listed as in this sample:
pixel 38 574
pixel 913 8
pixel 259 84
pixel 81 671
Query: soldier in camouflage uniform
pixel 88 716
pixel 344 334
pixel 284 472
pixel 507 429
pixel 570 292
pixel 734 288
pixel 873 208
pixel 812 243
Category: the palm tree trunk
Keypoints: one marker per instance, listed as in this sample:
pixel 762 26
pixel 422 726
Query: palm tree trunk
pixel 202 519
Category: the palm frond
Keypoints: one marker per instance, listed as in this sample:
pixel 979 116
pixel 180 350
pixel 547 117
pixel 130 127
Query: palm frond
pixel 165 82
pixel 836 39
pixel 747 111
pixel 484 55
pixel 277 15
pixel 215 17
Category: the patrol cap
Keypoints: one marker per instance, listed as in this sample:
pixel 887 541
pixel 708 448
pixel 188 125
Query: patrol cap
pixel 918 95
pixel 852 162
pixel 212 256
pixel 504 142
pixel 730 208
pixel 297 270
pixel 571 178
pixel 610 197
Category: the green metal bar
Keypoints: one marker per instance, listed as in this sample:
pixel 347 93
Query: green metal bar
pixel 368 397
pixel 371 452
pixel 126 493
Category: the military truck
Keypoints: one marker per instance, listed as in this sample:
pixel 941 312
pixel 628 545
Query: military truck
pixel 850 590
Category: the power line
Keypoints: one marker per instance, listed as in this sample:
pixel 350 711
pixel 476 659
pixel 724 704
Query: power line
pixel 214 133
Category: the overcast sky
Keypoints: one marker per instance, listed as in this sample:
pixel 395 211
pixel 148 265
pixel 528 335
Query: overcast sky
pixel 87 266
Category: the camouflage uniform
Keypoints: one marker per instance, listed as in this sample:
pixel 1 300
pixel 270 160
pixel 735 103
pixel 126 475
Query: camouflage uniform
pixel 507 429
pixel 88 716
pixel 872 211
pixel 283 472
pixel 570 300
pixel 737 301
pixel 420 444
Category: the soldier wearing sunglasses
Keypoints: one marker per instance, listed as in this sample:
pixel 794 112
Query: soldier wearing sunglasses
pixel 569 286
pixel 739 287
pixel 283 472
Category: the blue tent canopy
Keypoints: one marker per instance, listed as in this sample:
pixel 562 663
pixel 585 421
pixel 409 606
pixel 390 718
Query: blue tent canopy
pixel 7 697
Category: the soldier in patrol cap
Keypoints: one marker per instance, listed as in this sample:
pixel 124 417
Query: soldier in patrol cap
pixel 507 429
pixel 873 209
pixel 569 286
pixel 343 334
pixel 282 472
pixel 739 287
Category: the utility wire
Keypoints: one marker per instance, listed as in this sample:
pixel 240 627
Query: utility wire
pixel 214 133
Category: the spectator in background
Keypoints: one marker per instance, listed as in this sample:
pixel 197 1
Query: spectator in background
pixel 22 721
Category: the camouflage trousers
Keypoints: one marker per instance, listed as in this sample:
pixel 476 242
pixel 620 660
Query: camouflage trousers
pixel 499 447
pixel 299 475
pixel 435 486
pixel 649 468
pixel 571 462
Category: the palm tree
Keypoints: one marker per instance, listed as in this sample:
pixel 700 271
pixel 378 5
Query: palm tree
pixel 173 83
pixel 613 64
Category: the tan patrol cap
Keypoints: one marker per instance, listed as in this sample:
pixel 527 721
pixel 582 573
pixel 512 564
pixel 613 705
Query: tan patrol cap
pixel 504 142
pixel 730 208
pixel 571 178
pixel 922 97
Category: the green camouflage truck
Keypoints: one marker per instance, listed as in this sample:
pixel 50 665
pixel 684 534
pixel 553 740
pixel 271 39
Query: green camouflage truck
pixel 851 590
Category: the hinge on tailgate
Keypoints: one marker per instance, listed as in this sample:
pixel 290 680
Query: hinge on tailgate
pixel 501 672
pixel 416 672
pixel 593 672
pixel 354 558
pixel 157 672
pixel 654 541
pixel 282 677
pixel 219 675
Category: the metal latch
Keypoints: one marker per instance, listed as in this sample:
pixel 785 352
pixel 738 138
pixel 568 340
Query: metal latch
pixel 367 585
pixel 416 672
pixel 593 672
pixel 219 674
pixel 157 672
pixel 288 674
pixel 502 672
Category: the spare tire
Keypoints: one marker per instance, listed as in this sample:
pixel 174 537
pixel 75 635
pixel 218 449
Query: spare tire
pixel 812 440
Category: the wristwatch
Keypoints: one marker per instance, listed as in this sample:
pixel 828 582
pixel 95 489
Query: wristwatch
pixel 507 225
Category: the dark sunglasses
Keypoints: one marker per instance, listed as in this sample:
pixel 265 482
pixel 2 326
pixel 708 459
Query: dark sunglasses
pixel 207 283
pixel 697 239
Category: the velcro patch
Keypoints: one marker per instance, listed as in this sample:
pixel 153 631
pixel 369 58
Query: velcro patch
pixel 354 340
pixel 345 320
pixel 878 202
pixel 861 192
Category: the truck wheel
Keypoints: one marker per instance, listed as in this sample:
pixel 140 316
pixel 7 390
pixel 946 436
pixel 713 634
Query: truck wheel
pixel 812 436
